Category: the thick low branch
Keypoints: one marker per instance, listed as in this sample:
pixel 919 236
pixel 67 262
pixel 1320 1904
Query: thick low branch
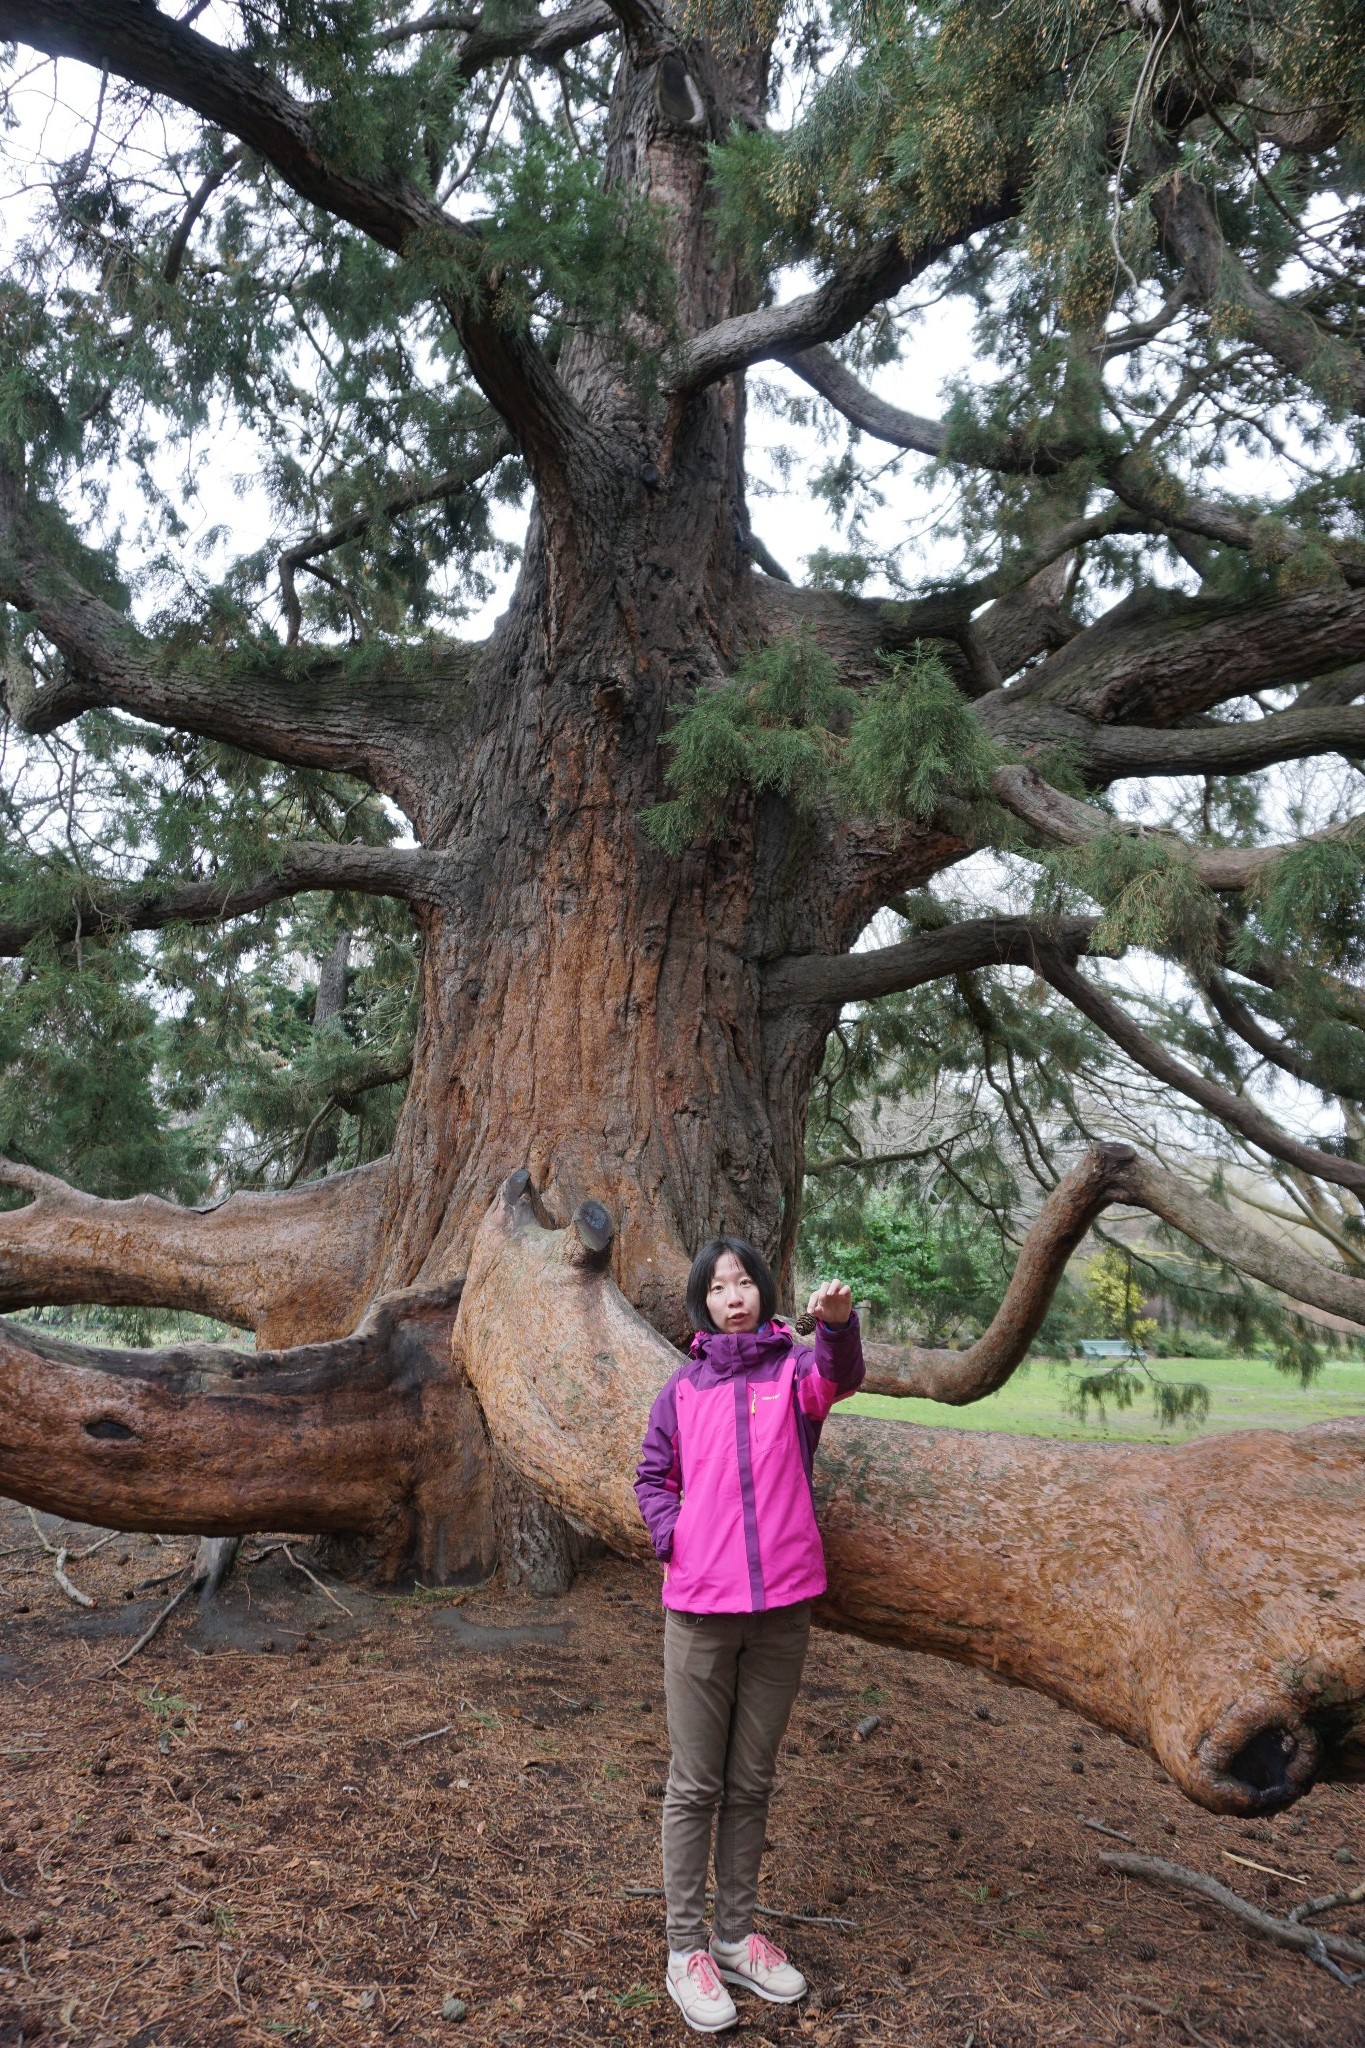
pixel 954 949
pixel 832 308
pixel 289 1266
pixel 1164 1593
pixel 373 1434
pixel 1236 1111
pixel 409 873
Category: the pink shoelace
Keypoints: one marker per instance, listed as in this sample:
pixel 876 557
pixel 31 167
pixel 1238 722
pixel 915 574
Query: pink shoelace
pixel 764 1954
pixel 704 1970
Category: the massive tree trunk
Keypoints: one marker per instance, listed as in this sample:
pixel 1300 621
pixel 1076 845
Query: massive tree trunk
pixel 635 1035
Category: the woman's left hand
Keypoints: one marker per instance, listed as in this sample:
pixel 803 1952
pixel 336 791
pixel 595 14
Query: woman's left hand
pixel 832 1302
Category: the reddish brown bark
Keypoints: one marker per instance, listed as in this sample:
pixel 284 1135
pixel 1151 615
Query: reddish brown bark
pixel 373 1435
pixel 1206 1602
pixel 295 1267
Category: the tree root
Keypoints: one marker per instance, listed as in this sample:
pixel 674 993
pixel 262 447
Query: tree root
pixel 293 1267
pixel 1207 1601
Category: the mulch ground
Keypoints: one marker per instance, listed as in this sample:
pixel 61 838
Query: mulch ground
pixel 254 1833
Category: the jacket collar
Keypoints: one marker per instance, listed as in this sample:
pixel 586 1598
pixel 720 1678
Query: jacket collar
pixel 731 1354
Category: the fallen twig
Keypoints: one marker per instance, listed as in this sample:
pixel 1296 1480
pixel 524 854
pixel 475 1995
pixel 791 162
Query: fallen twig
pixel 1100 1829
pixel 50 1548
pixel 1309 1907
pixel 167 1611
pixel 299 1565
pixel 430 1736
pixel 1166 2012
pixel 1156 1870
pixel 91 1548
pixel 162 1579
pixel 1266 1869
pixel 654 1891
pixel 72 1592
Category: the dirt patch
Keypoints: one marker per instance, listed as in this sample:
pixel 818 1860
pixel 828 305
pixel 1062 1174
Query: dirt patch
pixel 241 1838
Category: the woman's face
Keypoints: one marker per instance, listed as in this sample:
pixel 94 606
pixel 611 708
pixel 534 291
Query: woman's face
pixel 732 1299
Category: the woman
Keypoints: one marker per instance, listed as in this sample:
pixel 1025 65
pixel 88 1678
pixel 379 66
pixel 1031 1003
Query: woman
pixel 724 1485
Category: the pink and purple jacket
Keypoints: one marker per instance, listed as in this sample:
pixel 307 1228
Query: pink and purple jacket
pixel 724 1479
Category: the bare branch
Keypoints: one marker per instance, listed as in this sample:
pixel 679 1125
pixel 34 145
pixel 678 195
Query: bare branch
pixel 1061 820
pixel 823 371
pixel 405 498
pixel 829 311
pixel 409 873
pixel 1236 1111
pixel 194 206
pixel 955 949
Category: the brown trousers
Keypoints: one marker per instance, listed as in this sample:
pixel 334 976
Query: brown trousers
pixel 729 1681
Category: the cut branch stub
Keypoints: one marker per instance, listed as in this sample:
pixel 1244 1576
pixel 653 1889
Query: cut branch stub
pixel 373 1434
pixel 1207 1602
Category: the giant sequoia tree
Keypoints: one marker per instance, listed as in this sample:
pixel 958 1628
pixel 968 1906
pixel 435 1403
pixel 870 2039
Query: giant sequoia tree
pixel 432 255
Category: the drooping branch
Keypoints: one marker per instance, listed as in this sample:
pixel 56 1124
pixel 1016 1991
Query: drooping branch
pixel 1238 1112
pixel 866 281
pixel 955 949
pixel 88 907
pixel 822 370
pixel 960 1377
pixel 373 1434
pixel 293 1267
pixel 1108 1176
pixel 1164 1593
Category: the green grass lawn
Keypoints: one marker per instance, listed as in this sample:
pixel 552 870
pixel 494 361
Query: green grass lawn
pixel 1244 1393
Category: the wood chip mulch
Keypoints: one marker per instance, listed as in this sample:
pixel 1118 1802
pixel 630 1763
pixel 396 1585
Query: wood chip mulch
pixel 255 1833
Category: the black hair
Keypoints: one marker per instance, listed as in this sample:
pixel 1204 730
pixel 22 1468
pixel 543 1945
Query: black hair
pixel 703 1272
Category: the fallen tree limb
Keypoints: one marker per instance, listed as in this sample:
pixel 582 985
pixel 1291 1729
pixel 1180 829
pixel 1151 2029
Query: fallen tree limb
pixel 1288 1933
pixel 71 1590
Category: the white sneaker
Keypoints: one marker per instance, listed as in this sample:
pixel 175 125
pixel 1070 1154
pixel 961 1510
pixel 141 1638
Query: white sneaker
pixel 699 1995
pixel 757 1966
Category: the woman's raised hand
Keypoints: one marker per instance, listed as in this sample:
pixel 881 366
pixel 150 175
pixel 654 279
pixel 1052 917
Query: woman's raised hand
pixel 832 1302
